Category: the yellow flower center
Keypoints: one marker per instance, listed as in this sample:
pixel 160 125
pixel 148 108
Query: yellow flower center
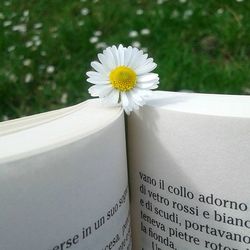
pixel 122 78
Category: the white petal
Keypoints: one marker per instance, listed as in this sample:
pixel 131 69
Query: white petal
pixel 97 81
pixel 145 69
pixel 127 55
pixel 113 97
pixel 148 85
pixel 128 102
pixel 99 68
pixel 142 64
pixel 100 90
pixel 96 75
pixel 115 55
pixel 127 111
pixel 155 86
pixel 147 77
pixel 143 92
pixel 147 81
pixel 132 102
pixel 142 61
pixel 139 60
pixel 104 61
pixel 121 54
pixel 134 54
pixel 137 98
pixel 124 99
pixel 109 58
pixel 136 58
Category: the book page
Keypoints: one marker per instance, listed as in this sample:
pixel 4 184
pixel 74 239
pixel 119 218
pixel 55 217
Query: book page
pixel 70 195
pixel 15 125
pixel 189 159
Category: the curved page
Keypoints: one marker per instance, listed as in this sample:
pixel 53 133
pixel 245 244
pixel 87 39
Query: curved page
pixel 64 183
pixel 189 156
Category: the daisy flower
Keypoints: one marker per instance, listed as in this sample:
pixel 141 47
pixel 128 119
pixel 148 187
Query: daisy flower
pixel 123 77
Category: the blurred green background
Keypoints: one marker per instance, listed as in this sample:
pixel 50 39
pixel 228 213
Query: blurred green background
pixel 47 46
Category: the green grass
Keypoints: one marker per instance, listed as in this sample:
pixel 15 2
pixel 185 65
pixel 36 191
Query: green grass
pixel 203 46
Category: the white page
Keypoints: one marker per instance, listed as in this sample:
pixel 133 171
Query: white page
pixel 52 199
pixel 15 125
pixel 196 145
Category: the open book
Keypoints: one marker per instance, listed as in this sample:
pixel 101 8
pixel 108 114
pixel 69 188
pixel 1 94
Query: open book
pixel 173 175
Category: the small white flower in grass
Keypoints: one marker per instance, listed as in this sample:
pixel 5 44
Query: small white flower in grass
pixel 123 76
pixel 133 33
pixel 101 45
pixel 160 2
pixel 38 43
pixel 43 53
pixel 28 78
pixel 27 62
pixel 246 91
pixel 26 13
pixel 220 11
pixel 12 77
pixel 29 44
pixel 64 98
pixel 145 32
pixel 136 44
pixel 5 118
pixel 50 69
pixel 187 14
pixel 38 25
pixel 35 38
pixel 85 11
pixel 22 28
pixel 97 33
pixel 139 12
pixel 7 23
pixel 7 3
pixel 80 23
pixel 93 39
pixel 2 15
pixel 11 48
